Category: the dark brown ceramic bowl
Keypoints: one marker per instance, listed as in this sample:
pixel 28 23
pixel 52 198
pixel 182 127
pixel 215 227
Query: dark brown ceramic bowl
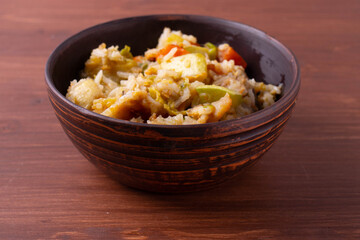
pixel 173 158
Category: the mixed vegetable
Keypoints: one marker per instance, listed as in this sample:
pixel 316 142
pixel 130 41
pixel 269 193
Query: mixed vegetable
pixel 178 82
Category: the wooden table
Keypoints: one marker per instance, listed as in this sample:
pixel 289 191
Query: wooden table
pixel 306 187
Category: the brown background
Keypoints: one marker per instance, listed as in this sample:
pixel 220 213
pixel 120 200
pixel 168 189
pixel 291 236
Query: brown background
pixel 306 187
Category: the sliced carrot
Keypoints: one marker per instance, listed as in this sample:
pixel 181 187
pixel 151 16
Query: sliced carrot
pixel 230 54
pixel 196 44
pixel 139 58
pixel 180 51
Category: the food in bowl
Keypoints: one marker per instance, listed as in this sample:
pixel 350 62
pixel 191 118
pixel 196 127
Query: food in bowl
pixel 174 158
pixel 179 82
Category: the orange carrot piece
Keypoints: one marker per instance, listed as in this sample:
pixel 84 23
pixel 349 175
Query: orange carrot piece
pixel 180 51
pixel 228 54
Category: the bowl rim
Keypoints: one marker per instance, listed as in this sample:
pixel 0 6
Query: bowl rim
pixel 253 117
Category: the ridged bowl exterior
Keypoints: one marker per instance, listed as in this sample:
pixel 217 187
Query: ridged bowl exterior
pixel 175 159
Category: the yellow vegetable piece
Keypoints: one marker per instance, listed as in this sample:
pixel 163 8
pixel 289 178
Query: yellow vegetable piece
pixel 175 39
pixel 212 93
pixel 155 94
pixel 101 104
pixel 192 66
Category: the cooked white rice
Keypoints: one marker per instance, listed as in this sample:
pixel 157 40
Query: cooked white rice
pixel 164 89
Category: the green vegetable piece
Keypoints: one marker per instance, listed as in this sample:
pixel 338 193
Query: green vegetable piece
pixel 126 52
pixel 196 49
pixel 173 111
pixel 212 93
pixel 144 66
pixel 212 49
pixel 156 95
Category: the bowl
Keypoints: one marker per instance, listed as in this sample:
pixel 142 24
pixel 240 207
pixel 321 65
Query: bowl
pixel 173 159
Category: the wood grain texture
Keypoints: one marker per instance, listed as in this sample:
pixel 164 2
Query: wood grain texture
pixel 306 187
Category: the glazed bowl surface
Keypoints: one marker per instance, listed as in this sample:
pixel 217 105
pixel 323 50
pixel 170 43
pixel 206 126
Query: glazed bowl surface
pixel 173 159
